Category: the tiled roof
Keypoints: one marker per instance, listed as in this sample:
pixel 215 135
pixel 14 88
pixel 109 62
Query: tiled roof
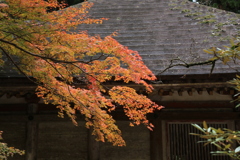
pixel 162 30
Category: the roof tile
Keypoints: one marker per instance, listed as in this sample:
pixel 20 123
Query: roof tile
pixel 161 31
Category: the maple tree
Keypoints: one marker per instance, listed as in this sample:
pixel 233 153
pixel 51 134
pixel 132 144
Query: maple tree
pixel 42 47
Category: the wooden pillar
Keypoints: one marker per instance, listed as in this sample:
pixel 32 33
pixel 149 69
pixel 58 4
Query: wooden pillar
pixel 156 140
pixel 237 125
pixel 32 133
pixel 93 147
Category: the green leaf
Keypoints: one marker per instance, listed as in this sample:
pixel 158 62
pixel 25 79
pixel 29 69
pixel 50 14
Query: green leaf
pixel 213 59
pixel 219 139
pixel 205 125
pixel 227 146
pixel 218 152
pixel 237 105
pixel 214 131
pixel 206 143
pixel 232 42
pixel 209 129
pixel 208 51
pixel 198 127
pixel 218 146
pixel 194 134
pixel 202 142
pixel 237 149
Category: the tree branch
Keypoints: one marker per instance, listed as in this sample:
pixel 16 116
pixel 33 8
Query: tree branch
pixel 48 58
pixel 188 65
pixel 18 68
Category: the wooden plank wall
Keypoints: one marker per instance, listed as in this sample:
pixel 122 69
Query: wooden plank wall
pixel 46 137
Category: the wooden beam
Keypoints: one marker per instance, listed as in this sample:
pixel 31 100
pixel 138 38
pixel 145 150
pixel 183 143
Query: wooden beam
pixel 220 91
pixel 156 145
pixel 200 91
pixel 232 92
pixel 210 91
pixel 31 144
pixel 32 133
pixel 93 147
pixel 160 92
pixel 196 104
pixel 171 92
pixel 190 91
pixel 9 94
pixel 180 92
pixel 206 115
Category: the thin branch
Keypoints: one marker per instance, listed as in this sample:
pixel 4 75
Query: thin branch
pixel 43 57
pixel 68 86
pixel 18 36
pixel 188 65
pixel 18 68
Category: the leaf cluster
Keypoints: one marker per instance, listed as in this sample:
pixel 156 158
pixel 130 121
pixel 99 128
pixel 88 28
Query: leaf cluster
pixel 229 56
pixel 224 139
pixel 6 151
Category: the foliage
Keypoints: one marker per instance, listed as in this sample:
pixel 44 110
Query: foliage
pixel 6 151
pixel 42 47
pixel 229 5
pixel 224 139
pixel 229 55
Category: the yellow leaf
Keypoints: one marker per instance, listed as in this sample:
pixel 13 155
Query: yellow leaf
pixel 227 146
pixel 208 51
pixel 205 125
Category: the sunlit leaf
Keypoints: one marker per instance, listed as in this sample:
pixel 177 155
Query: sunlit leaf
pixel 237 149
pixel 208 51
pixel 227 146
pixel 198 127
pixel 205 125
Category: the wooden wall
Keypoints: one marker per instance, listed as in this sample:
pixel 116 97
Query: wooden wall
pixel 47 137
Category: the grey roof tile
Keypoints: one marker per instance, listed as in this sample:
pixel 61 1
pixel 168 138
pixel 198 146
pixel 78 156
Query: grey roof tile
pixel 160 32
